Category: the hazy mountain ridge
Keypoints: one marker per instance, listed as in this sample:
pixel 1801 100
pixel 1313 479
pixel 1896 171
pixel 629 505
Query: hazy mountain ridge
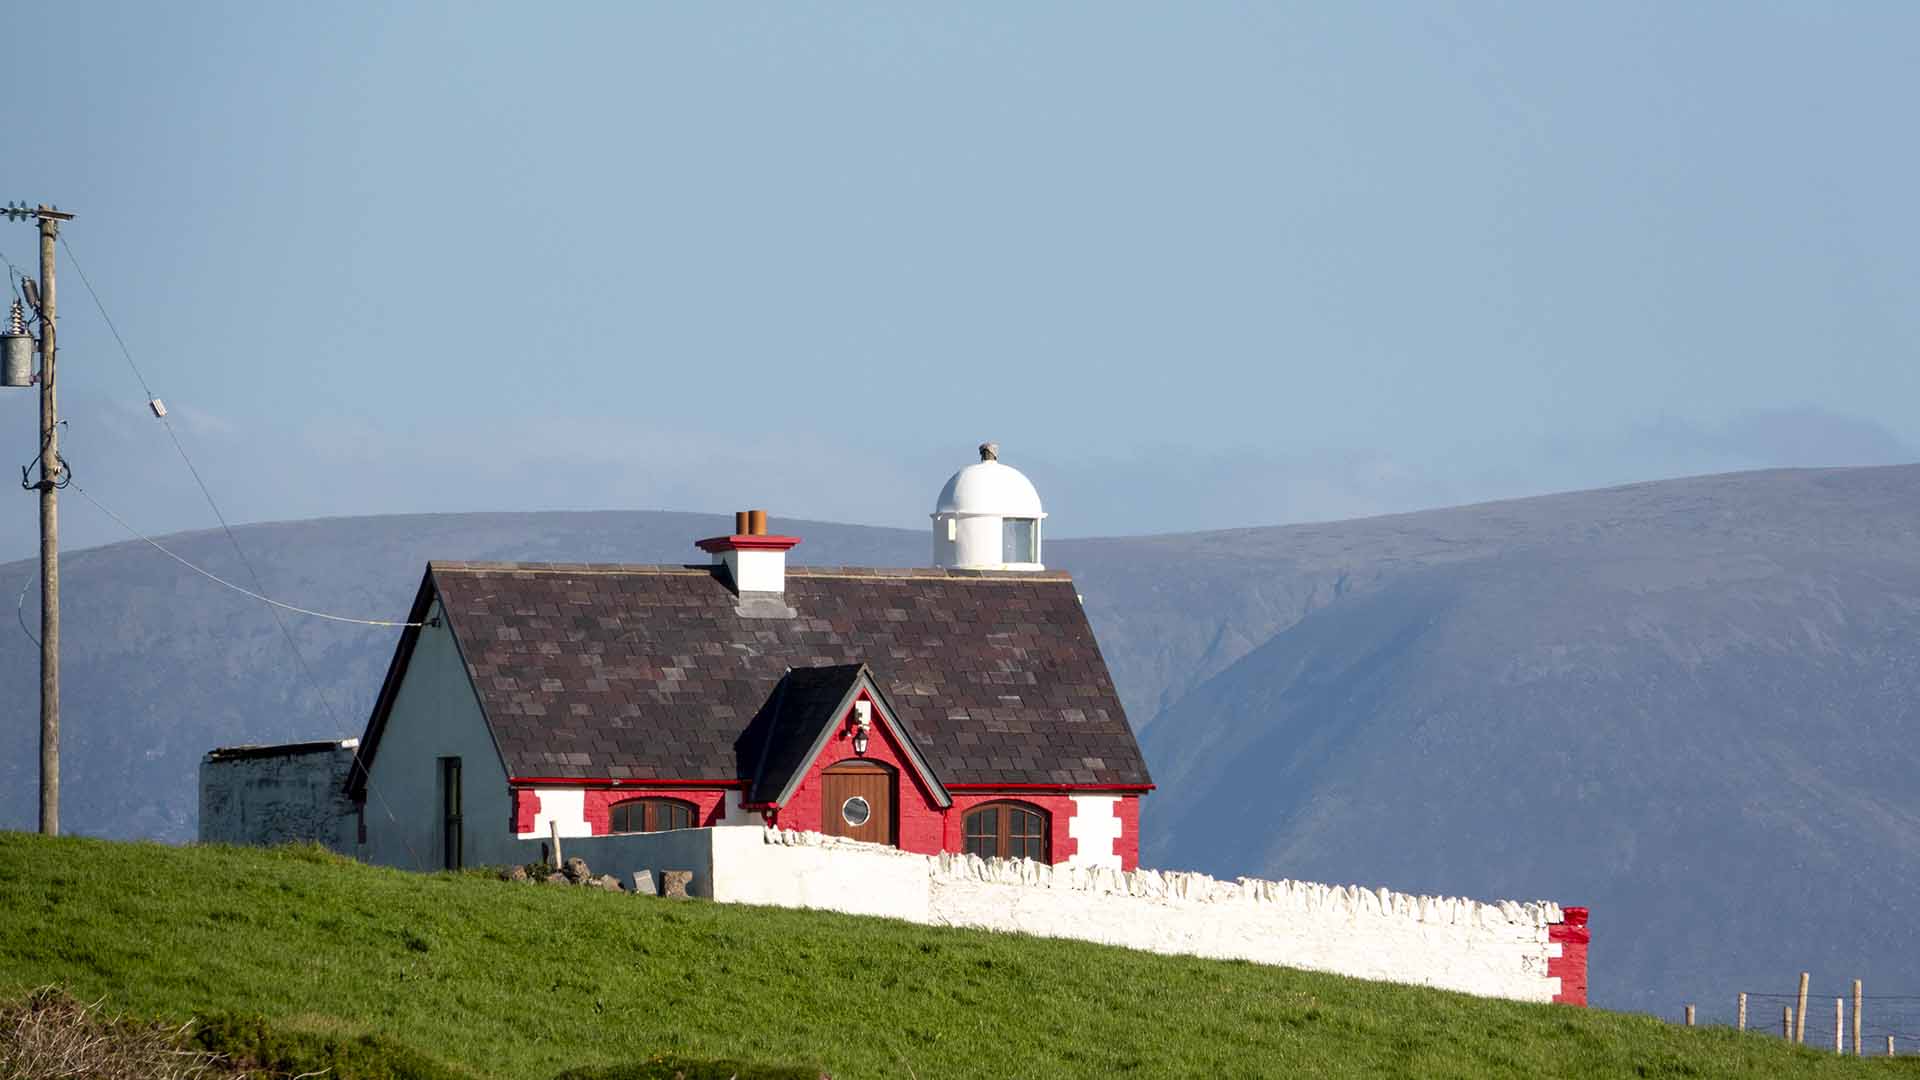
pixel 1694 715
pixel 1684 703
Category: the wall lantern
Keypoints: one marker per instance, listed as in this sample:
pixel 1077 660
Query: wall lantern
pixel 862 725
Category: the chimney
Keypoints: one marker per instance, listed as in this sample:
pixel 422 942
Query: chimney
pixel 756 562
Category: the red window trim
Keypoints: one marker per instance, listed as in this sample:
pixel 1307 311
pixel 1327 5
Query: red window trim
pixel 650 804
pixel 1002 823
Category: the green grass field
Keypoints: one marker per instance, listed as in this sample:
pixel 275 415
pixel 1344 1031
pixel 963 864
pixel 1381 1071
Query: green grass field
pixel 497 980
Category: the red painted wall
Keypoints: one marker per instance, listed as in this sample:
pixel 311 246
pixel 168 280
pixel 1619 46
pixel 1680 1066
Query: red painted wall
pixel 1128 845
pixel 1571 965
pixel 921 825
pixel 709 804
pixel 526 806
pixel 918 820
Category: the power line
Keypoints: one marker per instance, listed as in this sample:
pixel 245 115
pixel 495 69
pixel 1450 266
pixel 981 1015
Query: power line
pixel 108 319
pixel 218 580
pixel 259 589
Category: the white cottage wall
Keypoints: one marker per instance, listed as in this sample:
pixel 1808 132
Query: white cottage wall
pixel 435 715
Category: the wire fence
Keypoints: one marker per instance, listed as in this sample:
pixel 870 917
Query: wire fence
pixel 1887 1023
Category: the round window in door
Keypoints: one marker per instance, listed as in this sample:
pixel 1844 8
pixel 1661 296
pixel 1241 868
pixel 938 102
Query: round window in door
pixel 859 799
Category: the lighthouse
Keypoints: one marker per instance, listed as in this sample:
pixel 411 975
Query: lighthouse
pixel 988 518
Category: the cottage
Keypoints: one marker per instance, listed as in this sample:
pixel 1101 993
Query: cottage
pixel 655 719
pixel 962 708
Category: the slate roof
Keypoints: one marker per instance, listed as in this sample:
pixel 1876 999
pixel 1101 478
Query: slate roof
pixel 650 673
pixel 803 703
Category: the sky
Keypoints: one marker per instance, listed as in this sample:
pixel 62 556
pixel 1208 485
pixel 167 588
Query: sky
pixel 1192 266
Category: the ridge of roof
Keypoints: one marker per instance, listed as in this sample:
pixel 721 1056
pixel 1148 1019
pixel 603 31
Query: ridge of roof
pixel 891 573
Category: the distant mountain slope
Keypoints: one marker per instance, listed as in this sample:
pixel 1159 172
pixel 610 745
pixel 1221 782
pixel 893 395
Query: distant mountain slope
pixel 1690 705
pixel 1686 703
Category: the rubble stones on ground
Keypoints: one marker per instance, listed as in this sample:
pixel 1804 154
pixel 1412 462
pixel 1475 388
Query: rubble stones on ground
pixel 576 870
pixel 515 873
pixel 609 883
pixel 673 883
pixel 557 878
pixel 643 883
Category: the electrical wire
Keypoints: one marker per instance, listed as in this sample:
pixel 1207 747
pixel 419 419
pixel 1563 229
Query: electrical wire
pixel 108 319
pixel 218 580
pixel 20 601
pixel 259 589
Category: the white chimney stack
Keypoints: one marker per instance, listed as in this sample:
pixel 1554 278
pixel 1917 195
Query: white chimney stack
pixel 756 562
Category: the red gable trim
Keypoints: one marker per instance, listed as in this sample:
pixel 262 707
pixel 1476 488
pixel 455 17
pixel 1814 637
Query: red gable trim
pixel 716 544
pixel 865 687
pixel 577 781
pixel 1130 789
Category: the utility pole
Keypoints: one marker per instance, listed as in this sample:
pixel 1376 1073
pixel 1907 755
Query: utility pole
pixel 50 471
pixel 52 476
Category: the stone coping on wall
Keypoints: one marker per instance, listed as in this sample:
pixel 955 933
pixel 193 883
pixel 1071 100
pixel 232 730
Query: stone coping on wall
pixel 1193 887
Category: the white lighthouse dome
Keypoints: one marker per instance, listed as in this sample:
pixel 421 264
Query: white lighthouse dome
pixel 988 518
pixel 988 487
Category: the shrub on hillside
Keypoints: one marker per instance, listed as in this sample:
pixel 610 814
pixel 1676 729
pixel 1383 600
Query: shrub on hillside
pixel 51 1036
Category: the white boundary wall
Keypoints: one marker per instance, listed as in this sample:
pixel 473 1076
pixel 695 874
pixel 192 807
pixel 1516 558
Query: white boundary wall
pixel 1494 950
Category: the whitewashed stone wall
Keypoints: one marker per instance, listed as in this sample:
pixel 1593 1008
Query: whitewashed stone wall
pixel 1491 949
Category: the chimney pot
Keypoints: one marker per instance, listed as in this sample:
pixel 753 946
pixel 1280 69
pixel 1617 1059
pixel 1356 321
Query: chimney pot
pixel 756 523
pixel 740 523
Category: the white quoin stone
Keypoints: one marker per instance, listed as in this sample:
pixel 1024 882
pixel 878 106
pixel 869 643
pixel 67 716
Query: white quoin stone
pixel 1097 827
pixel 566 807
pixel 988 517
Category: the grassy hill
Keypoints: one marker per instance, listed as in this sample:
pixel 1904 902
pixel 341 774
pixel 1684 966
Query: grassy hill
pixel 490 979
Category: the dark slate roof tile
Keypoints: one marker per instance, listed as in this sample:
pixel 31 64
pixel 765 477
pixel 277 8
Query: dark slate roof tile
pixel 997 675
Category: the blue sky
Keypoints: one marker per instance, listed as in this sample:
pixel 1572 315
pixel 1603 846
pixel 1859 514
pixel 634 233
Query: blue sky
pixel 1192 266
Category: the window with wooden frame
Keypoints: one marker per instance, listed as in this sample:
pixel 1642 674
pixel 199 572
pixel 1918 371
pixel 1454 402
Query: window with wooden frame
pixel 652 815
pixel 1008 830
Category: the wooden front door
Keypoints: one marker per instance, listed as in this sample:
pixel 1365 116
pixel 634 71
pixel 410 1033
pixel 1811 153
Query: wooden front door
pixel 857 801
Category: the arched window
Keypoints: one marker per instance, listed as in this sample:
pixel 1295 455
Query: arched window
pixel 1008 830
pixel 652 815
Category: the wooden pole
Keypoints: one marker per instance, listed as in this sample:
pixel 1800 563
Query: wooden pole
pixel 1743 1011
pixel 1689 1016
pixel 1856 1018
pixel 1800 1012
pixel 553 827
pixel 1786 1022
pixel 50 475
pixel 1839 1024
pixel 1889 1046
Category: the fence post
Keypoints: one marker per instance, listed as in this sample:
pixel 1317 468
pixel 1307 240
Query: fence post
pixel 1800 1012
pixel 1743 1011
pixel 1786 1022
pixel 1856 1018
pixel 1689 1016
pixel 1839 1023
pixel 553 826
pixel 1889 1046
